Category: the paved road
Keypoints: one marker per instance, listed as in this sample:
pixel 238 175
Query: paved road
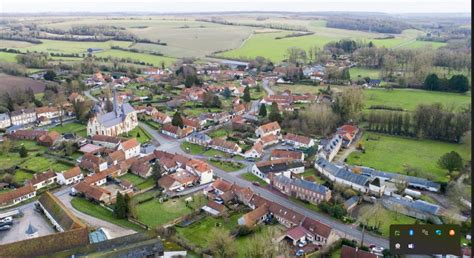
pixel 89 95
pixel 113 230
pixel 345 230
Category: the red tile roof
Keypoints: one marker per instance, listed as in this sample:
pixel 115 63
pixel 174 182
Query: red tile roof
pixel 73 172
pixel 41 177
pixel 129 144
pixel 270 127
pixel 19 192
pixel 350 252
pixel 277 153
pixel 317 227
pixel 297 138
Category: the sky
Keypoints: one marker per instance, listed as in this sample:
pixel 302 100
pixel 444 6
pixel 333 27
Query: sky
pixel 186 6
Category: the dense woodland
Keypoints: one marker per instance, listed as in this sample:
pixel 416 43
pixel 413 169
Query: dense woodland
pixel 368 24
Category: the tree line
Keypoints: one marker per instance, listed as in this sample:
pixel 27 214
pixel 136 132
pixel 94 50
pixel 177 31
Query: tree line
pixel 392 26
pixel 428 121
pixel 457 83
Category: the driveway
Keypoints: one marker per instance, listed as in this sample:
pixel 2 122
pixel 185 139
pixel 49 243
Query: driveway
pixel 113 230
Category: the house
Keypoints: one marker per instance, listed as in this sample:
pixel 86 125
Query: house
pixel 268 129
pixel 200 169
pixel 49 139
pixel 131 148
pixel 27 134
pixel 348 251
pixel 298 141
pixel 93 192
pixel 184 178
pixel 23 116
pixel 301 189
pixel 75 97
pixel 374 82
pixel 153 71
pixel 93 163
pixel 348 133
pixel 148 110
pixel 199 139
pixel 110 142
pixel 169 183
pixel 41 180
pixel 320 234
pixel 175 131
pixel 331 147
pixel 239 109
pixel 286 154
pixel 5 121
pixel 298 234
pixel 254 217
pixel 265 169
pixel 115 157
pixel 161 118
pixel 268 140
pixel 48 112
pixel 141 168
pixel 225 146
pixel 255 152
pixel 71 176
pixel 214 208
pixel 285 216
pixel 16 196
pixel 351 203
pixel 221 186
pixel 122 119
pixel 191 123
pixel 344 176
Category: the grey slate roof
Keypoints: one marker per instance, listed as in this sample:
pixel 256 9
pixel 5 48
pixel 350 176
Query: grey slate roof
pixel 409 179
pixel 200 136
pixel 418 205
pixel 349 202
pixel 111 119
pixel 332 143
pixel 343 173
pixel 305 184
pixel 280 167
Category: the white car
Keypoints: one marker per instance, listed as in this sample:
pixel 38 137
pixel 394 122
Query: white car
pixel 302 243
pixel 180 189
pixel 6 220
pixel 377 250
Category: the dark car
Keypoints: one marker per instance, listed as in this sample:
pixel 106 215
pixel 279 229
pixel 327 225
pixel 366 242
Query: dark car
pixel 256 183
pixel 5 227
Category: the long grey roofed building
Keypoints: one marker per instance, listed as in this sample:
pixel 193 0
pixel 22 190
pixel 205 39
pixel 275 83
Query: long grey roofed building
pixel 418 205
pixel 343 172
pixel 302 183
pixel 411 180
pixel 280 167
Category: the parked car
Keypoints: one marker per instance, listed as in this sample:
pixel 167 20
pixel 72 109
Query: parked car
pixel 302 243
pixel 377 249
pixel 6 223
pixel 180 189
pixel 5 227
pixel 300 252
pixel 6 220
pixel 255 183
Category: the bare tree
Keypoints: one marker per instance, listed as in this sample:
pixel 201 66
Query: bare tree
pixel 221 244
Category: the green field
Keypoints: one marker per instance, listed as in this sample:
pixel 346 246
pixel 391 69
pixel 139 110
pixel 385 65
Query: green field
pixel 389 218
pixel 391 153
pixel 195 149
pixel 41 164
pixel 408 99
pixel 266 45
pixel 100 212
pixel 147 58
pixel 7 57
pixel 360 73
pixel 77 128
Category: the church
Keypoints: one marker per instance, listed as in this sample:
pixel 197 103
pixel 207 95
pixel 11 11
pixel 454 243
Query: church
pixel 122 119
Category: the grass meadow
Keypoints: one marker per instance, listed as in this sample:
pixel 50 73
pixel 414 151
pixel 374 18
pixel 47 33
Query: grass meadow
pixel 393 153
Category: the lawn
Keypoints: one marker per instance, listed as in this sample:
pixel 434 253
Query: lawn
pixel 141 135
pixel 153 213
pixel 253 178
pixel 20 176
pixel 390 218
pixel 138 182
pixel 408 99
pixel 41 164
pixel 196 111
pixel 218 133
pixel 77 128
pixel 192 148
pixel 227 166
pixel 8 57
pixel 311 172
pixel 391 153
pixel 102 213
pixel 144 57
pixel 199 233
